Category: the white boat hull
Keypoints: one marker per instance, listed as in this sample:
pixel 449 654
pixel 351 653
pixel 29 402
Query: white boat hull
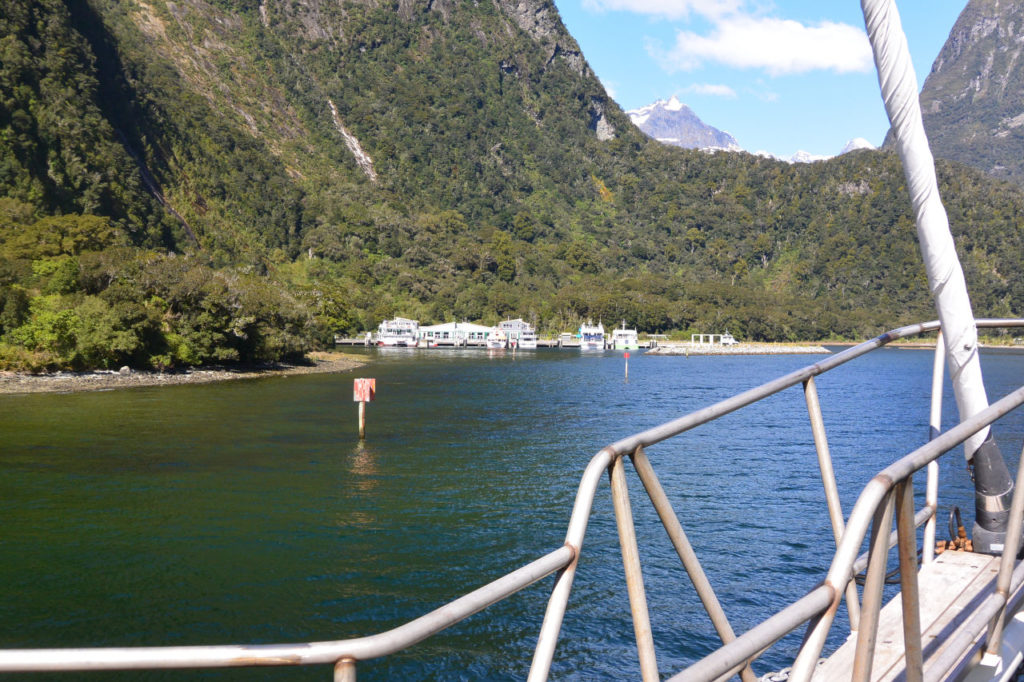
pixel 396 343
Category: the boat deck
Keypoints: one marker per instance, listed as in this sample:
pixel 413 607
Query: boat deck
pixel 950 588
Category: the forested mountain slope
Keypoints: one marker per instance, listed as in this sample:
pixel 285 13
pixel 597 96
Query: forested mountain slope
pixel 193 182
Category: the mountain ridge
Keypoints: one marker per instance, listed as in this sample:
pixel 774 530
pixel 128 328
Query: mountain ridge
pixel 973 112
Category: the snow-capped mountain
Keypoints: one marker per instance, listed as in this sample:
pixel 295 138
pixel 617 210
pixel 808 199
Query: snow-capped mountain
pixel 800 156
pixel 855 144
pixel 672 122
pixel 806 157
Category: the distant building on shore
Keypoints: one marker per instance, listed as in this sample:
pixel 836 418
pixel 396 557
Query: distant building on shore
pixel 456 334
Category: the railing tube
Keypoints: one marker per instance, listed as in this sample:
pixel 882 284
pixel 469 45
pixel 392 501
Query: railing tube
pixel 754 641
pixel 819 605
pixel 931 494
pixel 843 562
pixel 828 480
pixel 345 670
pixel 634 576
pixel 874 582
pixel 950 660
pixel 684 549
pixel 740 400
pixel 547 640
pixel 307 653
pixel 839 574
pixel 909 592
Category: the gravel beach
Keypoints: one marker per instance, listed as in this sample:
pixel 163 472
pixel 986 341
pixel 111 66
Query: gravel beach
pixel 66 382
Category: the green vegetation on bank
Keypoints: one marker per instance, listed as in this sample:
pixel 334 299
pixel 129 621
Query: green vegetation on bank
pixel 77 296
pixel 175 190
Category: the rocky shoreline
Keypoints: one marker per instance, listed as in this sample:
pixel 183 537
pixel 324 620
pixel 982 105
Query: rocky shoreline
pixel 737 349
pixel 105 380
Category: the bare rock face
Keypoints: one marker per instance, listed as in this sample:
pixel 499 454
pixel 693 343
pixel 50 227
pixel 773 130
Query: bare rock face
pixel 973 99
pixel 540 20
pixel 599 123
pixel 537 17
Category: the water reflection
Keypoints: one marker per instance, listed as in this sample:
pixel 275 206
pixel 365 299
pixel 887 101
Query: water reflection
pixel 363 467
pixel 360 484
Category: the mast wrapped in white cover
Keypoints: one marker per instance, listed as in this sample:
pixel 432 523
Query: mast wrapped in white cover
pixel 945 276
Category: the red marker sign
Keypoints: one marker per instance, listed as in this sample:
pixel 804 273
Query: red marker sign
pixel 364 390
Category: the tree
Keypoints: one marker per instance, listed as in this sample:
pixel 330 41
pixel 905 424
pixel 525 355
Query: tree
pixel 694 239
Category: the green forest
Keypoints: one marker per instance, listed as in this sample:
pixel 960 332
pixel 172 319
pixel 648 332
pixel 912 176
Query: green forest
pixel 176 190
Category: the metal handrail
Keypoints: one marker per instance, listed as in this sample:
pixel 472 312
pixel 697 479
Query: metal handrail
pixel 875 495
pixel 605 458
pixel 818 606
pixel 222 656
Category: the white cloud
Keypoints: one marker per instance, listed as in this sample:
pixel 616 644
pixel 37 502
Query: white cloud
pixel 712 90
pixel 670 9
pixel 779 46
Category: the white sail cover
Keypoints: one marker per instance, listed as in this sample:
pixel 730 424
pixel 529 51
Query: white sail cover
pixel 945 276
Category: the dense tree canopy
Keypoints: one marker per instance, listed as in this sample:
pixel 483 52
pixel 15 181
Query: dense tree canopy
pixel 179 186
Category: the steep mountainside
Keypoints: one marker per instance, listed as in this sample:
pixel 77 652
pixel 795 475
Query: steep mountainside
pixel 674 123
pixel 973 99
pixel 232 180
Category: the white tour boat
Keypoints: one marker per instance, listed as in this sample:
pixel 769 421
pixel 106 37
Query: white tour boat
pixel 497 339
pixel 399 332
pixel 520 334
pixel 528 340
pixel 591 336
pixel 625 339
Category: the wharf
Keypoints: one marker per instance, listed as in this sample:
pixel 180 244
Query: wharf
pixel 541 343
pixel 735 349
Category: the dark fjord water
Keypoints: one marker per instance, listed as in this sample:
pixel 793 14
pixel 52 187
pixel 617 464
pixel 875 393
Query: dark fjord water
pixel 247 512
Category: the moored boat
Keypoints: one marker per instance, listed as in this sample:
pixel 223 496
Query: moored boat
pixel 497 339
pixel 519 334
pixel 528 340
pixel 399 332
pixel 625 339
pixel 591 336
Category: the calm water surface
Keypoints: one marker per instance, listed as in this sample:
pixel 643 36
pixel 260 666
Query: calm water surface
pixel 248 512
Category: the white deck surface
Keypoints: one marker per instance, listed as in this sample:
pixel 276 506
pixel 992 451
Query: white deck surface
pixel 947 587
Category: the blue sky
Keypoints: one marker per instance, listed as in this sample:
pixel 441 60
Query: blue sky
pixel 779 76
